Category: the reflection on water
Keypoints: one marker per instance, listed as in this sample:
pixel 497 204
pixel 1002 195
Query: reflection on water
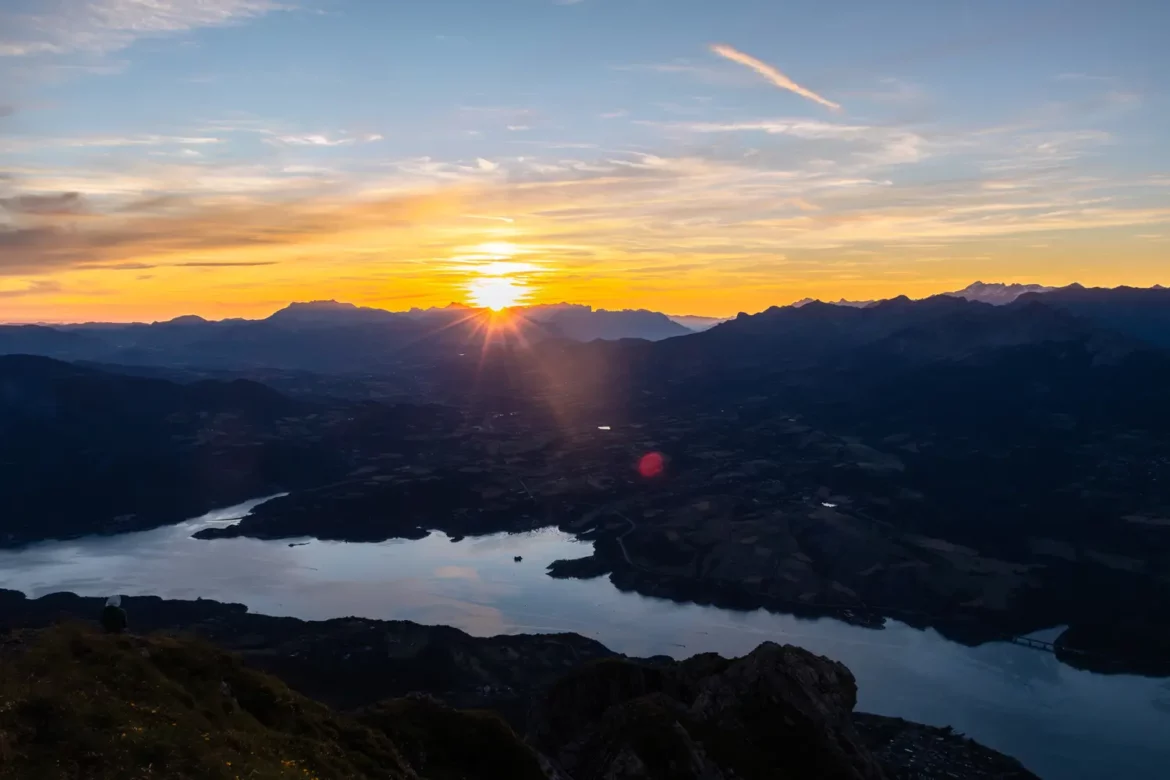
pixel 1059 721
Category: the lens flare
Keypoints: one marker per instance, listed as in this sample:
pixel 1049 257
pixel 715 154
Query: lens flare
pixel 652 464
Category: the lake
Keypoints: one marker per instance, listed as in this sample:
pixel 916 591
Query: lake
pixel 1062 723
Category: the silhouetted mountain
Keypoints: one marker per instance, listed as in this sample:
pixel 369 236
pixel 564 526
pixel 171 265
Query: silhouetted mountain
pixel 85 451
pixel 329 313
pixel 330 336
pixel 695 322
pixel 1141 313
pixel 44 340
pixel 841 302
pixel 997 293
pixel 1011 430
pixel 830 336
pixel 584 323
pixel 186 319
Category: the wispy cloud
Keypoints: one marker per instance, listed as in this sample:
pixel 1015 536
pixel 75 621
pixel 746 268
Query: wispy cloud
pixel 807 197
pixel 871 143
pixel 208 264
pixel 103 26
pixel 315 139
pixel 40 287
pixel 325 140
pixel 1082 77
pixel 82 142
pixel 50 205
pixel 771 74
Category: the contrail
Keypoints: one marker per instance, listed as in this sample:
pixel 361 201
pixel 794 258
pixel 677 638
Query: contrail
pixel 771 74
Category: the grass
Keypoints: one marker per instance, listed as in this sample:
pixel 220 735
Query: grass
pixel 75 704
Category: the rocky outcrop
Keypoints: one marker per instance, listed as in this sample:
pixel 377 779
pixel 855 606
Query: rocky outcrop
pixel 346 662
pixel 911 751
pixel 78 704
pixel 779 712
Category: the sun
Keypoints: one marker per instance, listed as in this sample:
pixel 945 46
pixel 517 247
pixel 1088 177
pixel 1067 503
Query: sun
pixel 499 249
pixel 497 292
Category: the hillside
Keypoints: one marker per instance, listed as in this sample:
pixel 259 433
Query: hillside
pixel 86 451
pixel 83 705
pixel 77 704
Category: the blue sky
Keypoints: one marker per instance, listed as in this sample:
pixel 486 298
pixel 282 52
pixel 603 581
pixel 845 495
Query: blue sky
pixel 603 140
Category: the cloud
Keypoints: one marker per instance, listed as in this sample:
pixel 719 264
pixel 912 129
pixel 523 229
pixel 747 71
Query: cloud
pixel 771 74
pixel 200 228
pixel 103 26
pixel 310 140
pixel 316 139
pixel 50 205
pixel 862 143
pixel 721 214
pixel 42 287
pixel 114 267
pixel 224 265
pixel 16 145
pixel 6 111
pixel 1082 77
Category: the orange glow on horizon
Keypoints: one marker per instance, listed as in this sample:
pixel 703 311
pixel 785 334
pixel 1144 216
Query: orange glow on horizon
pixel 221 260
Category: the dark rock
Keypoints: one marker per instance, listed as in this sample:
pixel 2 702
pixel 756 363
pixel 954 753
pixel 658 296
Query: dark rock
pixel 347 662
pixel 778 712
pixel 579 568
pixel 911 751
pixel 444 743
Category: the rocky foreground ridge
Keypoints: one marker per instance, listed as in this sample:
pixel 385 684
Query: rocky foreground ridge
pixel 74 703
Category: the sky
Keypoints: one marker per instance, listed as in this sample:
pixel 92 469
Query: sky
pixel 225 157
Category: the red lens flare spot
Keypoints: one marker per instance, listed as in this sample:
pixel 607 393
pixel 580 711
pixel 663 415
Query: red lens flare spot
pixel 652 464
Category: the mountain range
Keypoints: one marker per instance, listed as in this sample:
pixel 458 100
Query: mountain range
pixel 905 458
pixel 995 293
pixel 332 336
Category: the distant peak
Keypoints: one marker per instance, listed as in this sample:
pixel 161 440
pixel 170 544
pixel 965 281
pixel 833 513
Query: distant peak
pixel 329 312
pixel 997 293
pixel 323 305
pixel 803 302
pixel 186 319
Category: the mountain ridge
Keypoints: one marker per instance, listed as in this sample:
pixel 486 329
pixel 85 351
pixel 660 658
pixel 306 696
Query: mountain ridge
pixel 187 708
